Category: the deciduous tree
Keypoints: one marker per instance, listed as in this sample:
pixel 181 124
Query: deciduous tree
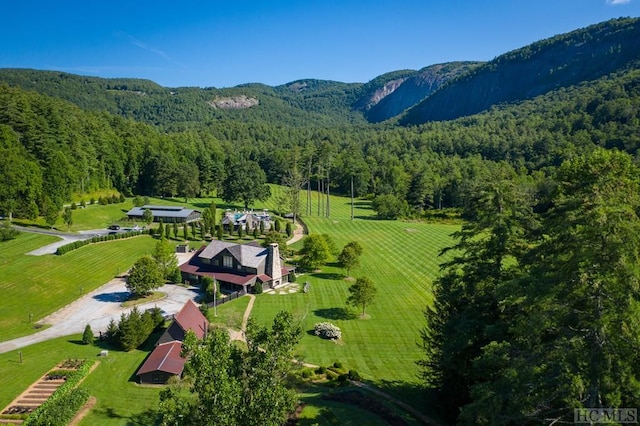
pixel 362 293
pixel 164 255
pixel 245 182
pixel 349 257
pixel 147 216
pixel 315 252
pixel 250 385
pixel 145 275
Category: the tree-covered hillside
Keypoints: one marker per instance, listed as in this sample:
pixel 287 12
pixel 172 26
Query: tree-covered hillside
pixel 551 64
pixel 306 102
pixel 188 139
pixel 52 148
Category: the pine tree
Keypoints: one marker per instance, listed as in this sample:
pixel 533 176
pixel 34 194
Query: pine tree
pixel 87 335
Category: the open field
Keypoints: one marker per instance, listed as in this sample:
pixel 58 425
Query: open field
pixel 400 257
pixel 40 285
pixel 109 382
pixel 402 260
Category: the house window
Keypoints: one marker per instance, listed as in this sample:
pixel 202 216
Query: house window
pixel 227 261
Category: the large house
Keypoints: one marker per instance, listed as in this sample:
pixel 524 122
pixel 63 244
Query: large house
pixel 168 214
pixel 238 267
pixel 165 360
pixel 247 220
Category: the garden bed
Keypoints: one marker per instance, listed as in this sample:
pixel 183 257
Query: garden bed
pixel 40 391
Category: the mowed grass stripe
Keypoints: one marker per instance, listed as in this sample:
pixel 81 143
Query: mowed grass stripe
pixel 40 285
pixel 402 260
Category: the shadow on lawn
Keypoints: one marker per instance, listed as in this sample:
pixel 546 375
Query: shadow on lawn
pixel 367 217
pixel 419 397
pixel 144 418
pixel 327 276
pixel 335 313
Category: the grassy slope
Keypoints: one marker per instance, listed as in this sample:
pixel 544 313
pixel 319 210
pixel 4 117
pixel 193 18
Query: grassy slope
pixel 40 285
pixel 402 260
pixel 109 382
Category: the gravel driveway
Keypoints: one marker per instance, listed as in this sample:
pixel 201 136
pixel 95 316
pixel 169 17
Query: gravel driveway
pixel 98 308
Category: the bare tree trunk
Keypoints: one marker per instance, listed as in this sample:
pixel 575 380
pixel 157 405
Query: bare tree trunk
pixel 328 210
pixel 318 182
pixel 351 197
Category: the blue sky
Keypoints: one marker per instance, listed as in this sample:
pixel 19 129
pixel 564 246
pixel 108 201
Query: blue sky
pixel 224 43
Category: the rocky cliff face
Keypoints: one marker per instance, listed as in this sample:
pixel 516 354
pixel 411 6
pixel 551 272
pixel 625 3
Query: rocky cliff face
pixel 399 95
pixel 561 61
pixel 235 102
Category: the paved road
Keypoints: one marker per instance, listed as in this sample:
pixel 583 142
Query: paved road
pixel 97 309
pixel 65 238
pixel 101 305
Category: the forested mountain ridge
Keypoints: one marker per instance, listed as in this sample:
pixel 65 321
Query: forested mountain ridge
pixel 51 147
pixel 305 102
pixel 434 93
pixel 561 61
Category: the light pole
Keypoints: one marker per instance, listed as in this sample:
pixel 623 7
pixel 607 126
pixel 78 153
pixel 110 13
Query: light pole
pixel 215 290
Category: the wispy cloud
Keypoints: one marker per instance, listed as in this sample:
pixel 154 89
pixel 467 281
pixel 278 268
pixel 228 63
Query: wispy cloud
pixel 142 45
pixel 618 2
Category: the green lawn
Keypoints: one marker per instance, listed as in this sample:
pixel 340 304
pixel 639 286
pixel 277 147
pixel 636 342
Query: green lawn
pixel 402 260
pixel 120 401
pixel 229 314
pixel 400 257
pixel 40 285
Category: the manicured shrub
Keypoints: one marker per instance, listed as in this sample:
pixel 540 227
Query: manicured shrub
pixel 326 330
pixel 321 370
pixel 87 336
pixel 99 238
pixel 354 375
pixel 337 364
pixel 307 373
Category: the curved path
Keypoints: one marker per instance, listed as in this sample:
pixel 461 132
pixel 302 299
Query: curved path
pixel 97 308
pixel 65 238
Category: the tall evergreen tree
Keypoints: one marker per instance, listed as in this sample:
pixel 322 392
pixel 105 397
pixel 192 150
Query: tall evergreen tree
pixel 466 313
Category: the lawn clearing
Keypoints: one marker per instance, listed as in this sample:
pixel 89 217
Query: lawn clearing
pixel 402 260
pixel 40 285
pixel 119 400
pixel 229 315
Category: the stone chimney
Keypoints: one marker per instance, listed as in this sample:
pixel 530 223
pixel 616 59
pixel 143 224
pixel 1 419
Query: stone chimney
pixel 273 267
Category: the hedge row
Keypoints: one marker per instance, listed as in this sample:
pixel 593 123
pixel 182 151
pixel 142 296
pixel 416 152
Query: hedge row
pixel 64 403
pixel 98 238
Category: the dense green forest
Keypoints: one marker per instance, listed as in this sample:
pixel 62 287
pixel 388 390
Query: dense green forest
pixel 52 148
pixel 538 310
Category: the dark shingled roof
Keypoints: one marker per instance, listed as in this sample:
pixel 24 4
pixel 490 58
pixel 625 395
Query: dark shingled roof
pixel 166 358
